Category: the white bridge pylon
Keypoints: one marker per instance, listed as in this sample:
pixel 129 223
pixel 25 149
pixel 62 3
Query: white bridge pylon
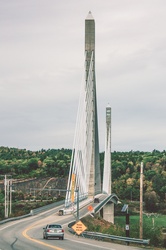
pixel 85 161
pixel 107 177
pixel 85 154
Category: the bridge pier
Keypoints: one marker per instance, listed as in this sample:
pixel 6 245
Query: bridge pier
pixel 105 207
pixel 108 212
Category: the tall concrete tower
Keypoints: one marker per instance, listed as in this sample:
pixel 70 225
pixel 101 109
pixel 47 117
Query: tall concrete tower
pixel 89 45
pixel 90 78
pixel 108 209
pixel 85 164
pixel 107 157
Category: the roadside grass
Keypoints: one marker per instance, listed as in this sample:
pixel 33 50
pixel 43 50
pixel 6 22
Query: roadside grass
pixel 152 227
pixel 153 220
pixel 151 231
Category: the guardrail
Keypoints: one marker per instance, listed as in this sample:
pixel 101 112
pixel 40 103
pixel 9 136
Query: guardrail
pixel 100 236
pixel 34 211
pixel 47 207
pixel 15 218
pixel 102 203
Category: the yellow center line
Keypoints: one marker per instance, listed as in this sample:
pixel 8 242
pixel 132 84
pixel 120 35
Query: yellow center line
pixel 24 233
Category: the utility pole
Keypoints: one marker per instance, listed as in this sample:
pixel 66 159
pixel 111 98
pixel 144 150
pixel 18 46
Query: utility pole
pixel 8 196
pixel 10 191
pixel 5 184
pixel 141 201
pixel 77 203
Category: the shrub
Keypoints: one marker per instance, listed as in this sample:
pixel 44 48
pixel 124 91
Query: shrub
pixel 154 234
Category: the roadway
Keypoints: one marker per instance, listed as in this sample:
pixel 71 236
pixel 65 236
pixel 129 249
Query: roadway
pixel 27 234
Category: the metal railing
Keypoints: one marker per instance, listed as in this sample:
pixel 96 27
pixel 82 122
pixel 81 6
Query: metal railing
pixel 107 199
pixel 35 211
pixel 100 236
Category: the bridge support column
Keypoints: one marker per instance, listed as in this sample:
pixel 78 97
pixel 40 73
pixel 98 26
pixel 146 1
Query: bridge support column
pixel 108 212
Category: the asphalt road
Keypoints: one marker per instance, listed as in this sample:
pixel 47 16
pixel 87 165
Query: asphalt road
pixel 27 234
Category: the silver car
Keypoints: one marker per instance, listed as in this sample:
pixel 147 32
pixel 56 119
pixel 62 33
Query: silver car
pixel 53 230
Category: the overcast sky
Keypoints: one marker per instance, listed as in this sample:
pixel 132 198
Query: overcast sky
pixel 42 66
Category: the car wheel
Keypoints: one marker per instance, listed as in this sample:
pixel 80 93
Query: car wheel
pixel 62 238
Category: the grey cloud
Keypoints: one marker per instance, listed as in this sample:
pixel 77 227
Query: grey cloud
pixel 42 67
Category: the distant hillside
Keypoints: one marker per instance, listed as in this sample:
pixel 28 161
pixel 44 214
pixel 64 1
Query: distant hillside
pixel 22 163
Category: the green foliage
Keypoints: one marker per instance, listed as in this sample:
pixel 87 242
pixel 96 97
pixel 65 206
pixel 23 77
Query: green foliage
pixel 2 197
pixel 151 201
pixel 150 231
pixel 114 230
pixel 153 233
pixel 97 224
pixel 17 195
pixel 22 163
pixel 126 174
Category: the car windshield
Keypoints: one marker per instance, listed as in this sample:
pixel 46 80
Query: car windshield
pixel 54 226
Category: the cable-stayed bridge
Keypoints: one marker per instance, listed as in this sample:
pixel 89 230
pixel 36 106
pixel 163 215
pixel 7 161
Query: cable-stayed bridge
pixel 85 162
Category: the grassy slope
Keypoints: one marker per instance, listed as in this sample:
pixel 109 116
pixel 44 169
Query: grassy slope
pixel 99 225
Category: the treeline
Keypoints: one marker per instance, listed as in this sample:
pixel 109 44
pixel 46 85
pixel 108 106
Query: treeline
pixel 126 177
pixel 22 163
